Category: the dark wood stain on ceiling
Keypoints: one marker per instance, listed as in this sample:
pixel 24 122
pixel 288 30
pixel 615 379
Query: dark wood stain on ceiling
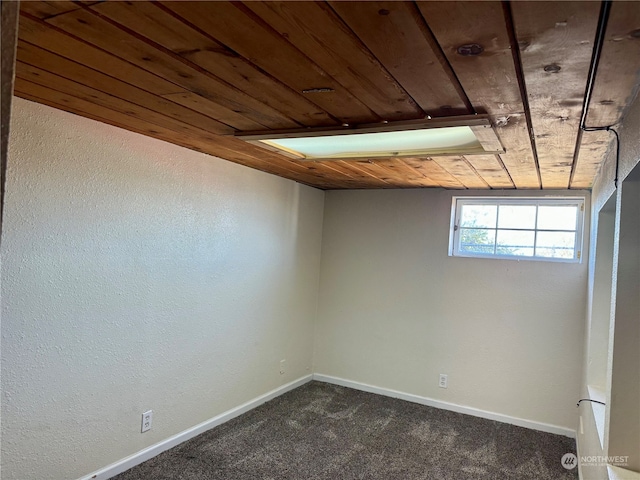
pixel 193 73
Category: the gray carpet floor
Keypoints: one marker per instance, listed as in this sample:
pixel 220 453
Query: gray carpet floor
pixel 324 432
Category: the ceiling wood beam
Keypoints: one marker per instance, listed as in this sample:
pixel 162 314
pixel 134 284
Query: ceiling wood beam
pixel 489 79
pixel 556 43
pixel 396 33
pixel 615 84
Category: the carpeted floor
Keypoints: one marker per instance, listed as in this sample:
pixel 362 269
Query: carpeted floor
pixel 324 432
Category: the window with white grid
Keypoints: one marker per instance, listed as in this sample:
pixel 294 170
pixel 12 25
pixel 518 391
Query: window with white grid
pixel 530 228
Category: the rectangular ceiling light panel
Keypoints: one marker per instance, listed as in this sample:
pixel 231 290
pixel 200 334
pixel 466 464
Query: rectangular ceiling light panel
pixel 468 136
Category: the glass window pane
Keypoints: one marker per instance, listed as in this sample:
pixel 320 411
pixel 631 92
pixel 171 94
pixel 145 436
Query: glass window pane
pixel 483 216
pixel 555 244
pixel 477 240
pixel 515 242
pixel 557 217
pixel 536 228
pixel 517 216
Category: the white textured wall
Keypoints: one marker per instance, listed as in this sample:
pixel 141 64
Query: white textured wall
pixel 396 310
pixel 139 275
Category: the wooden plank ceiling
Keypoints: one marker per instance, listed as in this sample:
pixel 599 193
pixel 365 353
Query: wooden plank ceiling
pixel 193 73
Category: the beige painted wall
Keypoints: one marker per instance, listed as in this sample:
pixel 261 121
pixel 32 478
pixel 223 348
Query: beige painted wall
pixel 604 190
pixel 140 275
pixel 624 400
pixel 396 310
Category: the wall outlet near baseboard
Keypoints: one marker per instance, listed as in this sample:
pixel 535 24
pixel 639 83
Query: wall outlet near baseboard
pixel 442 383
pixel 282 362
pixel 147 417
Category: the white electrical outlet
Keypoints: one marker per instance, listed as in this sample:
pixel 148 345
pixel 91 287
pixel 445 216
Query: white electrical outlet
pixel 147 417
pixel 442 383
pixel 282 362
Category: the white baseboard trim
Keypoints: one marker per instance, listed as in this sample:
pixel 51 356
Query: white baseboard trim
pixel 520 422
pixel 150 452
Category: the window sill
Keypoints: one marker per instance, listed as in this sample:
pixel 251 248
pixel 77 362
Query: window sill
pixel 597 393
pixel 619 473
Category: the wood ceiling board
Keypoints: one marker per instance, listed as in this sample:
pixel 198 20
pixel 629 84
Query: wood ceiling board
pixel 48 9
pixel 428 182
pixel 330 176
pixel 152 57
pixel 462 171
pixel 377 175
pixel 518 157
pixel 141 98
pixel 491 169
pixel 108 67
pixel 618 74
pixel 242 31
pixel 315 30
pixel 349 170
pixel 160 26
pixel 35 56
pixel 48 37
pixel 562 34
pixel 489 79
pixel 403 170
pixel 88 94
pixel 434 172
pixel 615 84
pixel 209 106
pixel 395 33
pixel 387 170
pixel 201 105
pixel 593 151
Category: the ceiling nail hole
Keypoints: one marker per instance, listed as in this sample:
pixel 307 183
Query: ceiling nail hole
pixel 553 68
pixel 383 11
pixel 635 33
pixel 470 49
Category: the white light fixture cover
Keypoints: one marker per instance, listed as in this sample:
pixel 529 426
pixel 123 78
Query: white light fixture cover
pixel 469 135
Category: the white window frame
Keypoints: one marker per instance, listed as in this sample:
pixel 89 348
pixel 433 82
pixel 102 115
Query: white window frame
pixel 458 202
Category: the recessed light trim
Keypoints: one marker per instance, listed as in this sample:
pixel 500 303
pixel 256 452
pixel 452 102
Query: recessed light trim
pixel 468 135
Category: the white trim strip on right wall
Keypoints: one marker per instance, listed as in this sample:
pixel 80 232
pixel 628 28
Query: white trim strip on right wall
pixel 430 402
